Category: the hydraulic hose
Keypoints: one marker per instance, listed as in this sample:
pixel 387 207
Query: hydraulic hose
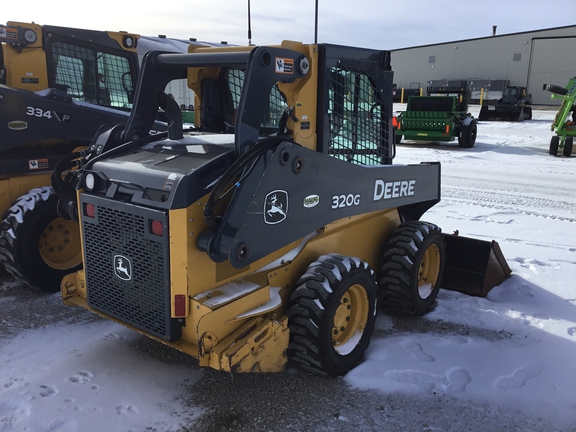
pixel 244 161
pixel 61 187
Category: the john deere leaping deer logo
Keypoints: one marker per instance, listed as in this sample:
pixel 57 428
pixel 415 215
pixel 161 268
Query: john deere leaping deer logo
pixel 275 207
pixel 122 267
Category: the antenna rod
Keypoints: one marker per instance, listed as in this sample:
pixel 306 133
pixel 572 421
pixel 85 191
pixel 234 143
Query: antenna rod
pixel 249 26
pixel 315 23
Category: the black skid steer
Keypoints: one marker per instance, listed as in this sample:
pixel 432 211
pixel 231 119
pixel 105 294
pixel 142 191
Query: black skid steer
pixel 273 230
pixel 513 106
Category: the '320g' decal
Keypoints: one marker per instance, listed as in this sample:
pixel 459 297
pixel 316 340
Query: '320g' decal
pixel 341 201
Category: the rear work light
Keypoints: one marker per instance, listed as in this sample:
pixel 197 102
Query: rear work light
pixel 156 228
pixel 89 210
pixel 180 305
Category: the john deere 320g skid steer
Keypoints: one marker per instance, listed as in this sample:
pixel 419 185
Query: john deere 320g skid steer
pixel 272 230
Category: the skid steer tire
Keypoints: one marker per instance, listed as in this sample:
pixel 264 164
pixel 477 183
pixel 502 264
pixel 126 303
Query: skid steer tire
pixel 554 143
pixel 37 247
pixel 331 315
pixel 467 136
pixel 412 268
pixel 527 113
pixel 568 146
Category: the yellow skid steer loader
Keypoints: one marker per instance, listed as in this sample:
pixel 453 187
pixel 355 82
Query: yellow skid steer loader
pixel 58 85
pixel 271 231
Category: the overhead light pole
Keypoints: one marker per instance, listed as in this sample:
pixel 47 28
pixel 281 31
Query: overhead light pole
pixel 249 26
pixel 315 22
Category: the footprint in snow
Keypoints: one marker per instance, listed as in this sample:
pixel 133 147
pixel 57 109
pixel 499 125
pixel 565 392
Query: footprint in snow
pixel 13 381
pixel 454 381
pixel 514 381
pixel 48 391
pixel 417 351
pixel 82 377
pixel 13 411
pixel 571 330
pixel 458 379
pixel 125 410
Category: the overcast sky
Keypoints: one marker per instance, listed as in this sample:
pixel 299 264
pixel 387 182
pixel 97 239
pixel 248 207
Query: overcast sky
pixel 367 23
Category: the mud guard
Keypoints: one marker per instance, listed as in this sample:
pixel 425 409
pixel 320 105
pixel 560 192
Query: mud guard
pixel 473 266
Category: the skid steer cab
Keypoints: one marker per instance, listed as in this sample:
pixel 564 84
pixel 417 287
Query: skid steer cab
pixel 271 230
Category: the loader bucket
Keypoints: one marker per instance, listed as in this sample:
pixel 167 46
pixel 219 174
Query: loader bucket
pixel 500 113
pixel 473 266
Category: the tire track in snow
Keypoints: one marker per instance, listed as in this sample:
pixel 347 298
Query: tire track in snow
pixel 508 202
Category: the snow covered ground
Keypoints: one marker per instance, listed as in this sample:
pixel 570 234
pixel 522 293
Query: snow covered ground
pixel 509 189
pixel 519 355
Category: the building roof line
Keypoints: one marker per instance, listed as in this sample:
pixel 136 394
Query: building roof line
pixel 486 37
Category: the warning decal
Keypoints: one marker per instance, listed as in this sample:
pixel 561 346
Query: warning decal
pixel 284 65
pixel 37 164
pixel 8 33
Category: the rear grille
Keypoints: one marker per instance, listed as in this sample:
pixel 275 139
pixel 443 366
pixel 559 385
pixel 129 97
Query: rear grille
pixel 127 267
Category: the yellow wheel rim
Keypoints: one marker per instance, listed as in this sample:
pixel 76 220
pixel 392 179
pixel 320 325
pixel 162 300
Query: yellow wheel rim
pixel 429 271
pixel 59 244
pixel 350 319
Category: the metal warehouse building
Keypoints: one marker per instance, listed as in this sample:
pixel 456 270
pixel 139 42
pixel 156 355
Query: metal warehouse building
pixel 528 59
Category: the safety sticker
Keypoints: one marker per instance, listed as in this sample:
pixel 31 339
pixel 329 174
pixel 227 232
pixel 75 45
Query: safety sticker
pixel 170 181
pixel 30 80
pixel 284 65
pixel 37 164
pixel 8 33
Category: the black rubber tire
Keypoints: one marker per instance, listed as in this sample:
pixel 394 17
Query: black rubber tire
pixel 527 113
pixel 467 136
pixel 568 146
pixel 334 289
pixel 20 233
pixel 554 144
pixel 398 138
pixel 414 256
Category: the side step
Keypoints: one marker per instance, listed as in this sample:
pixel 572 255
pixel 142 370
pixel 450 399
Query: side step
pixel 473 266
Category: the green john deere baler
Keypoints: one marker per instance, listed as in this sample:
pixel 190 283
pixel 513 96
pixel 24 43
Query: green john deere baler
pixel 442 115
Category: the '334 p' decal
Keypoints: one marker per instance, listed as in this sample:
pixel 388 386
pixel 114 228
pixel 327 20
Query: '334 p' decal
pixel 47 114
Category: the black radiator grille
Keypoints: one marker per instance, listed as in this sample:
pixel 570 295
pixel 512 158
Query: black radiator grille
pixel 127 267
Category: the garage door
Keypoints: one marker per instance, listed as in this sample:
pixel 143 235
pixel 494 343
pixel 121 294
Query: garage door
pixel 553 61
